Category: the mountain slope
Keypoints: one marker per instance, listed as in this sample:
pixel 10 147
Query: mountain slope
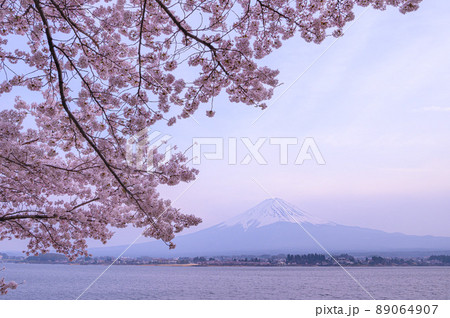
pixel 275 226
pixel 272 211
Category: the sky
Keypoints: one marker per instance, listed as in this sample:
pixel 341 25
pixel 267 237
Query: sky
pixel 376 103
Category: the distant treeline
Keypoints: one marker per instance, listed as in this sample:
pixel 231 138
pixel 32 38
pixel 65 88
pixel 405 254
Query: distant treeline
pixel 306 259
pixel 263 260
pixel 346 259
pixel 441 258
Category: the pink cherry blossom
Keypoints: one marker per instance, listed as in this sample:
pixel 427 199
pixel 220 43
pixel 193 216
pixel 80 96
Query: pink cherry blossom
pixel 5 286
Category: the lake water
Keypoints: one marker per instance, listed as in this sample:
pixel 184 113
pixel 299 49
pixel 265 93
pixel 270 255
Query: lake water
pixel 165 282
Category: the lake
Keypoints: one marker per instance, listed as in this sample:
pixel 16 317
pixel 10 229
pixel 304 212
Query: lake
pixel 44 281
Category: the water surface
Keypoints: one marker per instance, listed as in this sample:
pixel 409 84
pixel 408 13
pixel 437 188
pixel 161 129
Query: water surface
pixel 44 281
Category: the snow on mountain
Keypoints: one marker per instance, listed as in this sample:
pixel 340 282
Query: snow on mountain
pixel 271 211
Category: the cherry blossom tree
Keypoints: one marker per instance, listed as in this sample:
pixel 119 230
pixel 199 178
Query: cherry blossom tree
pixel 105 70
pixel 5 286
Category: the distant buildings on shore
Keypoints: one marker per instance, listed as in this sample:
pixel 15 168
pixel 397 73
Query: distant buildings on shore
pixel 243 260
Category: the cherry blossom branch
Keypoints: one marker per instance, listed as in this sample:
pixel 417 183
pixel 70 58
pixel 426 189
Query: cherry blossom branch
pixel 72 117
pixel 5 286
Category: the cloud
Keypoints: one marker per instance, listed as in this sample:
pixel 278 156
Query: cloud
pixel 436 109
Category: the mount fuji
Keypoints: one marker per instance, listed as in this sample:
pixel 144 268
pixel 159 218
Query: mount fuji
pixel 269 212
pixel 275 226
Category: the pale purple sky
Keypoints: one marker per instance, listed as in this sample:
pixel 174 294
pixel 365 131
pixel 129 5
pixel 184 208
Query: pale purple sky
pixel 377 104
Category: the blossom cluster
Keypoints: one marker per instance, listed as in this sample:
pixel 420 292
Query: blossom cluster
pixel 5 286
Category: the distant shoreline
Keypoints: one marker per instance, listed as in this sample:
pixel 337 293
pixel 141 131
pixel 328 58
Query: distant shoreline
pixel 230 265
pixel 279 260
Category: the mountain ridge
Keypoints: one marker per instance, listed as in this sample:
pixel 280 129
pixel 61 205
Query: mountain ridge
pixel 276 226
pixel 271 211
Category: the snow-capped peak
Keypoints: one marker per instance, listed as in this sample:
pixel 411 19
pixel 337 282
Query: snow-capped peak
pixel 272 211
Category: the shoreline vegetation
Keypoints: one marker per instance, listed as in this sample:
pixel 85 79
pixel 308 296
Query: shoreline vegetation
pixel 316 260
